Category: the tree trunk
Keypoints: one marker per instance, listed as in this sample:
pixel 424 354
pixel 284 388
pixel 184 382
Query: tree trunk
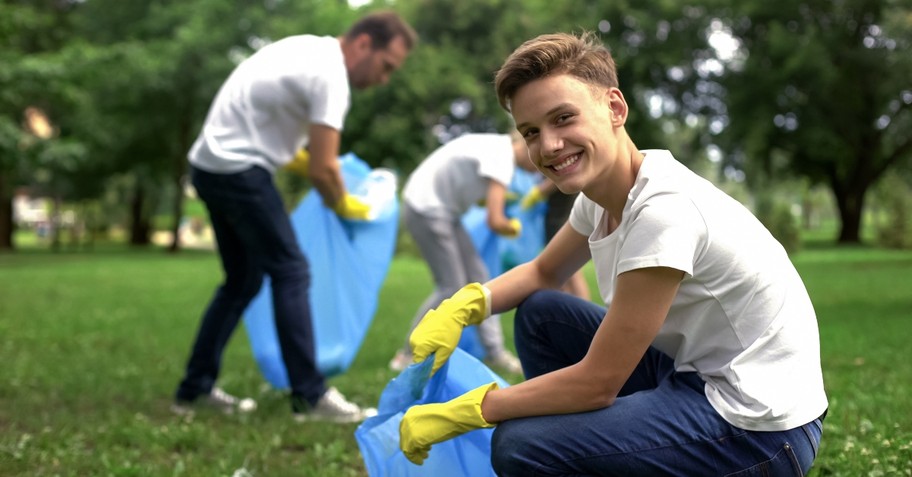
pixel 91 226
pixel 851 204
pixel 56 223
pixel 180 173
pixel 178 212
pixel 6 214
pixel 139 223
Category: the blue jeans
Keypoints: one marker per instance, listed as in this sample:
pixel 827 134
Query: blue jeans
pixel 255 238
pixel 661 423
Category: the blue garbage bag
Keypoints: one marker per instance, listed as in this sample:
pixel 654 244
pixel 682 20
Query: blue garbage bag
pixel 500 253
pixel 519 250
pixel 348 263
pixel 488 246
pixel 487 243
pixel 466 455
pixel 470 342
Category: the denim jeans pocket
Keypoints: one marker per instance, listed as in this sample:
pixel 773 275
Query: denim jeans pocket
pixel 784 463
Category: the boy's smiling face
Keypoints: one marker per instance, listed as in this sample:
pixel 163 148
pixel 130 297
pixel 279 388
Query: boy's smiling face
pixel 569 128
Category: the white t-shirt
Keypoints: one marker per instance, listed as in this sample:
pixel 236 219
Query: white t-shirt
pixel 456 175
pixel 742 317
pixel 262 112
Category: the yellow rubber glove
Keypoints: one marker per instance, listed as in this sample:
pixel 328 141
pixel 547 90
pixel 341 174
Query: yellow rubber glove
pixel 300 165
pixel 440 329
pixel 533 197
pixel 515 229
pixel 426 425
pixel 351 207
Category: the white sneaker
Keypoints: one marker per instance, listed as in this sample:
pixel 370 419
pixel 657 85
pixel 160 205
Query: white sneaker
pixel 400 361
pixel 505 361
pixel 217 399
pixel 333 407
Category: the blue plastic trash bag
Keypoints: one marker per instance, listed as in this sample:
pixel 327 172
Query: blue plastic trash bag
pixel 500 253
pixel 487 243
pixel 348 263
pixel 465 455
pixel 470 342
pixel 530 242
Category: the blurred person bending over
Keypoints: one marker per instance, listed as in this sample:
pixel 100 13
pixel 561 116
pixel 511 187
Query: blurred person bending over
pixel 289 95
pixel 472 168
pixel 706 360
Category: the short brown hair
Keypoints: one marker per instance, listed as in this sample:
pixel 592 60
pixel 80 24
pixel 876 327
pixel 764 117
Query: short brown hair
pixel 583 56
pixel 382 27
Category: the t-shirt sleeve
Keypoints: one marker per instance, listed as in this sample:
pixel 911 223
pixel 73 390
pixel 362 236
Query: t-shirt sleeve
pixel 666 231
pixel 329 97
pixel 495 160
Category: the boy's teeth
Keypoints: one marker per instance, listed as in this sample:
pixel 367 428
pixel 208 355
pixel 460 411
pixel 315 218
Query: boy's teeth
pixel 570 160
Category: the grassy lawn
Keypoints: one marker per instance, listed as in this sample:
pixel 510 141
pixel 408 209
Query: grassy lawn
pixel 93 344
pixel 864 309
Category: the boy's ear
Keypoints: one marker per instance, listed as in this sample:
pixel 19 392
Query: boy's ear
pixel 617 106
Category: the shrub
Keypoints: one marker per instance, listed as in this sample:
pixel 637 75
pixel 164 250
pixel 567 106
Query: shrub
pixel 777 216
pixel 894 227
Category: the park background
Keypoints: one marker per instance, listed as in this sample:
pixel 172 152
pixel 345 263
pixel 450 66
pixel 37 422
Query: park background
pixel 802 110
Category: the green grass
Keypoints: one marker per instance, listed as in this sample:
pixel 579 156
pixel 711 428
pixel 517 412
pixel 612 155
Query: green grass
pixel 864 309
pixel 93 343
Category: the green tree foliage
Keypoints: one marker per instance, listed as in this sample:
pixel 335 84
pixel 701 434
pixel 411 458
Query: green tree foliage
pixel 152 68
pixel 824 93
pixel 29 77
pixel 894 221
pixel 815 88
pixel 460 48
pixel 660 48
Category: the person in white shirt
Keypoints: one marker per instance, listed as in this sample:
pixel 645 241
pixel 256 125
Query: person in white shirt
pixel 289 95
pixel 473 168
pixel 706 360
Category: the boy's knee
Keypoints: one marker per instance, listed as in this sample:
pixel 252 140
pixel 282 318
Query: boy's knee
pixel 507 446
pixel 531 308
pixel 540 301
pixel 535 299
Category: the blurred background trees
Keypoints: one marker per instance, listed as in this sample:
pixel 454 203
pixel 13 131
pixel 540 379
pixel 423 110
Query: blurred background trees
pixel 788 105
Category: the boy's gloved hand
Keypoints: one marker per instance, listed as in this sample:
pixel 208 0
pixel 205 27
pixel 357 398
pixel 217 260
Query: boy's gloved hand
pixel 425 425
pixel 300 165
pixel 351 207
pixel 533 197
pixel 440 329
pixel 514 231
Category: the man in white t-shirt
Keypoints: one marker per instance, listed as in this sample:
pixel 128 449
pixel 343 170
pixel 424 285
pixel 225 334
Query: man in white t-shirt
pixel 289 95
pixel 706 360
pixel 467 170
